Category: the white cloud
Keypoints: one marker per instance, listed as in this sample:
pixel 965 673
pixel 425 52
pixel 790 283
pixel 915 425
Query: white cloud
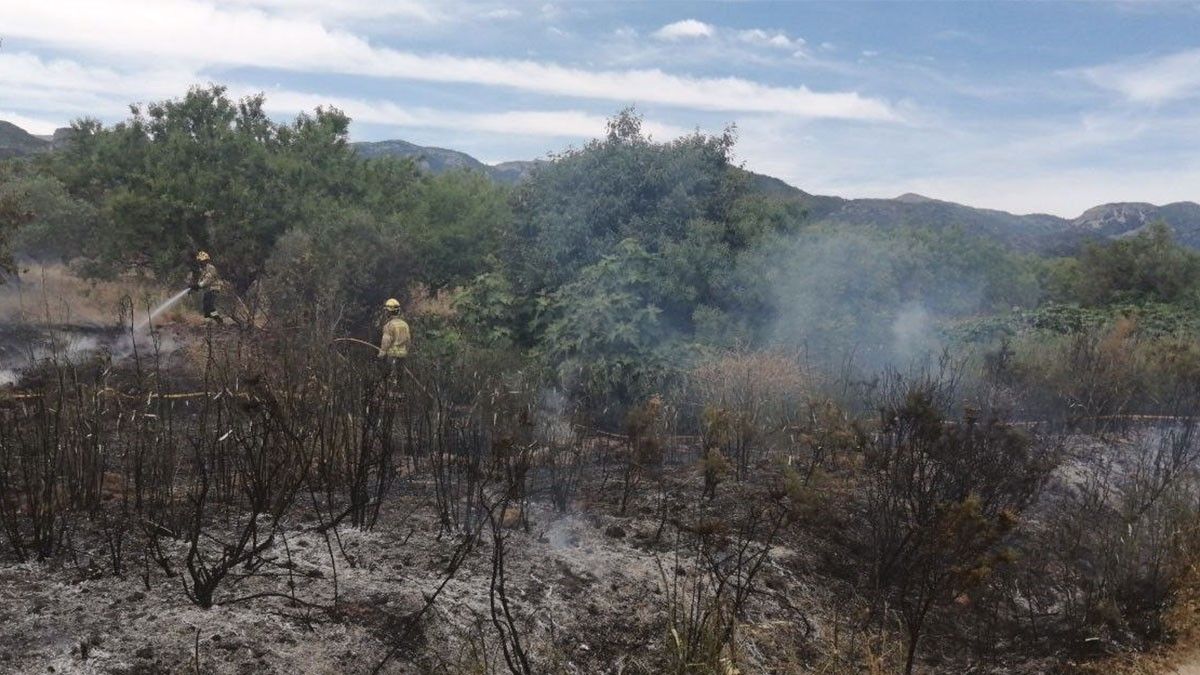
pixel 203 35
pixel 536 123
pixel 1168 78
pixel 501 13
pixel 688 29
pixel 34 125
pixel 1048 164
pixel 758 36
pixel 422 10
pixel 71 90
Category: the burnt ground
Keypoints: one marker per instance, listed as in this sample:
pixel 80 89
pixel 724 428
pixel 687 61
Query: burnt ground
pixel 587 591
pixel 590 589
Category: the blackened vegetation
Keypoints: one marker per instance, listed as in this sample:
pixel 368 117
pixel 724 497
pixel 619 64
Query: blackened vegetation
pixel 941 501
pixel 947 535
pixel 635 345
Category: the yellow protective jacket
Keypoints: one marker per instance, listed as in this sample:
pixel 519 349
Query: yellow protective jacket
pixel 208 277
pixel 394 343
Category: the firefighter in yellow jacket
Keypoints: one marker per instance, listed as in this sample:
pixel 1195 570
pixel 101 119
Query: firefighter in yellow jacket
pixel 393 346
pixel 207 281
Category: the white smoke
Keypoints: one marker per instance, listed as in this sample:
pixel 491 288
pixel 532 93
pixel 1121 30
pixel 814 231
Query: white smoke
pixel 914 335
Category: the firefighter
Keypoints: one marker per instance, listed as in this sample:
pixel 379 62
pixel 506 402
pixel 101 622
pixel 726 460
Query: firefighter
pixel 206 280
pixel 393 346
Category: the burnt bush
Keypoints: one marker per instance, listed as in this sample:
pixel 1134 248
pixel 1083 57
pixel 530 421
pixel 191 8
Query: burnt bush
pixel 941 501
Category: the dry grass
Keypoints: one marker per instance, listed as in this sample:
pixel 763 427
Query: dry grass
pixel 424 302
pixel 54 294
pixel 751 379
pixel 1179 656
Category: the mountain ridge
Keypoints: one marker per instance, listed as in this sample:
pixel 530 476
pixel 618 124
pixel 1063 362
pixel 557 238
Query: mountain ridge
pixel 1034 231
pixel 1040 231
pixel 16 142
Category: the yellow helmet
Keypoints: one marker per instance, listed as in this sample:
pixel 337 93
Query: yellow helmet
pixel 202 256
pixel 392 305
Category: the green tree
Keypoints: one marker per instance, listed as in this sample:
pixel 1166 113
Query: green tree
pixel 606 339
pixel 53 223
pixel 627 251
pixel 575 210
pixel 1147 267
pixel 459 220
pixel 207 172
pixel 12 216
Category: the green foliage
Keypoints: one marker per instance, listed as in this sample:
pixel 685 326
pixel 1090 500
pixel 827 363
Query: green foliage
pixel 576 210
pixel 1152 320
pixel 12 216
pixel 626 252
pixel 337 233
pixel 615 263
pixel 1147 267
pixel 345 269
pixel 204 172
pixel 459 219
pixel 52 222
pixel 487 309
pixel 604 333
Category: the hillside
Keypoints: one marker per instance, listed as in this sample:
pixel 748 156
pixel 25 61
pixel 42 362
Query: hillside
pixel 439 160
pixel 1036 231
pixel 1125 219
pixel 910 210
pixel 1041 232
pixel 16 142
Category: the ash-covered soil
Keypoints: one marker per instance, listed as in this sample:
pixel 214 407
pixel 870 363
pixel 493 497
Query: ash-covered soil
pixel 587 592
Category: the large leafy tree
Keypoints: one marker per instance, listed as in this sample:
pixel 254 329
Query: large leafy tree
pixel 577 208
pixel 606 335
pixel 43 219
pixel 205 171
pixel 627 251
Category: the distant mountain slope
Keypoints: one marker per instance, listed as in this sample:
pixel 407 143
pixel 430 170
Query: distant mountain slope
pixel 16 142
pixel 912 210
pixel 439 160
pixel 435 160
pixel 1127 218
pixel 1031 232
pixel 1039 231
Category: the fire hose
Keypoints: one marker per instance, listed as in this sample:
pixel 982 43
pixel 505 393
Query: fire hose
pixel 406 370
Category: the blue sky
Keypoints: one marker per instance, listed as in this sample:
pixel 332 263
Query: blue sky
pixel 1027 107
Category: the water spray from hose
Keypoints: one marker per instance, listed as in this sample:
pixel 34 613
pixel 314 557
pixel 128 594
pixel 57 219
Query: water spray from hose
pixel 162 307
